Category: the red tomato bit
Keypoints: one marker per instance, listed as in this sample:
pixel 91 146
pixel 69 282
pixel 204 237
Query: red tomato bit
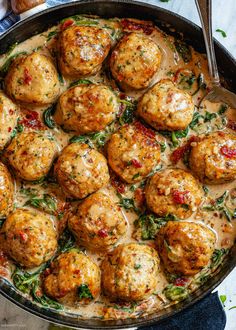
pixel 181 281
pixel 31 120
pixel 27 77
pixel 23 236
pixel 146 131
pixel 118 184
pixel 103 233
pixel 228 152
pixel 179 197
pixel 131 25
pixel 178 153
pixel 231 124
pixel 136 163
pixel 67 23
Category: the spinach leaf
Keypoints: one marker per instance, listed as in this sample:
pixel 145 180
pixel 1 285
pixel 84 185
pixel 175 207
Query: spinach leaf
pixel 184 50
pixel 201 84
pixel 175 293
pixel 80 82
pixel 46 203
pixel 128 203
pixel 217 257
pixel 47 117
pixel 84 292
pixel 150 224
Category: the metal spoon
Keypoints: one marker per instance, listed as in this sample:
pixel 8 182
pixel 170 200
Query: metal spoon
pixel 217 93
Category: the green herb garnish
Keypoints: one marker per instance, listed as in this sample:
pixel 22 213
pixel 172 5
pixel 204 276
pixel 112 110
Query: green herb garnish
pixel 175 293
pixel 223 33
pixel 47 117
pixel 84 292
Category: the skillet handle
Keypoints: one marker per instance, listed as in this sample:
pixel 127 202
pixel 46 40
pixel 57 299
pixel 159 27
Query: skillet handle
pixel 204 8
pixel 21 6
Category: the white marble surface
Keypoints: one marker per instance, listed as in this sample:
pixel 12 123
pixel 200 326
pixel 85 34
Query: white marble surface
pixel 11 317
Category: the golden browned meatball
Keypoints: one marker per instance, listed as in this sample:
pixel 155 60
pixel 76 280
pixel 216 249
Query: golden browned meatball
pixel 185 247
pixel 74 278
pixel 213 158
pixel 30 237
pixel 6 191
pixel 166 107
pixel 86 108
pixel 8 119
pixel 130 272
pixel 33 79
pixel 133 152
pixel 135 60
pixel 82 49
pixel 98 222
pixel 81 170
pixel 173 191
pixel 31 155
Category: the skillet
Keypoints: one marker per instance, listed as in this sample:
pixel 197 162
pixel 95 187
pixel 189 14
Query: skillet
pixel 193 35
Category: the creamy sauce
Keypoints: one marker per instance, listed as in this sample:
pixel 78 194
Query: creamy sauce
pixel 225 230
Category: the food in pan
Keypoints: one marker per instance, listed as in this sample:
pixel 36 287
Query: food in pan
pixel 86 109
pixel 8 119
pixel 32 79
pixel 98 222
pixel 117 178
pixel 173 191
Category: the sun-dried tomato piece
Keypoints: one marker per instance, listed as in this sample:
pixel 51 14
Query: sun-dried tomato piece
pixel 103 233
pixel 136 163
pixel 146 131
pixel 181 281
pixel 131 25
pixel 118 184
pixel 27 77
pixel 178 153
pixel 179 197
pixel 67 23
pixel 31 120
pixel 228 152
pixel 23 236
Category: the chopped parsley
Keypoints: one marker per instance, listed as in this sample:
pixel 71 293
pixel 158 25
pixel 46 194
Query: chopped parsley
pixel 223 33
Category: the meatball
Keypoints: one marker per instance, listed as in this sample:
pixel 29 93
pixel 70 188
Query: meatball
pixel 135 60
pixel 86 108
pixel 6 191
pixel 30 237
pixel 185 247
pixel 166 107
pixel 130 272
pixel 213 158
pixel 82 49
pixel 8 119
pixel 74 278
pixel 98 223
pixel 81 170
pixel 173 191
pixel 33 79
pixel 133 152
pixel 31 155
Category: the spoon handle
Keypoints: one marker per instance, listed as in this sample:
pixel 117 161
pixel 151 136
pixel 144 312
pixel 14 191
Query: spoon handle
pixel 204 8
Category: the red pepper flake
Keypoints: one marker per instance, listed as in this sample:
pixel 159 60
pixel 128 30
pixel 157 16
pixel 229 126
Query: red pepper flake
pixel 231 124
pixel 11 112
pixel 67 23
pixel 136 163
pixel 131 25
pixel 76 271
pixel 228 152
pixel 118 184
pixel 23 236
pixel 27 77
pixel 31 120
pixel 181 281
pixel 146 131
pixel 179 197
pixel 9 129
pixel 103 233
pixel 178 153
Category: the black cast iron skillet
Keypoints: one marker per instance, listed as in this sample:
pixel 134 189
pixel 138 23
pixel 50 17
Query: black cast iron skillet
pixel 193 35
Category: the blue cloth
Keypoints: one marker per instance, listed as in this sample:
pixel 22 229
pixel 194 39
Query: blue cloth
pixel 11 19
pixel 207 314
